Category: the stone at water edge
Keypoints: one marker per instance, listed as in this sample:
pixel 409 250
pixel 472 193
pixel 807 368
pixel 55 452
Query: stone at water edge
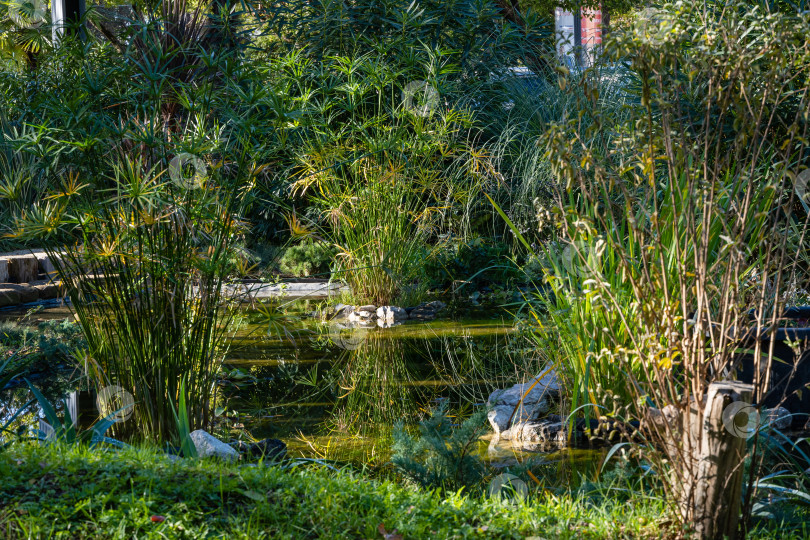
pixel 545 387
pixel 367 311
pixel 536 402
pixel 209 446
pixel 391 314
pixel 499 415
pixel 9 297
pixel 363 314
pixel 269 449
pixel 426 311
pixel 340 311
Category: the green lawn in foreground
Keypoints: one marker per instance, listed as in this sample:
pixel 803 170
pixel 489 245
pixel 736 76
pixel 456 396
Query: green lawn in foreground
pixel 62 492
pixel 72 492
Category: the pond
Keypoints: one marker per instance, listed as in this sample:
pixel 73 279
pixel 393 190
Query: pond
pixel 334 391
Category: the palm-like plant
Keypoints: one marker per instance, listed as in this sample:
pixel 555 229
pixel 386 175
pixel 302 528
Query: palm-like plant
pixel 24 31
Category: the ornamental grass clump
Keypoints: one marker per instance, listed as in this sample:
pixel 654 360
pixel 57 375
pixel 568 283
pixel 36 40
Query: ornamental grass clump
pixel 683 231
pixel 145 274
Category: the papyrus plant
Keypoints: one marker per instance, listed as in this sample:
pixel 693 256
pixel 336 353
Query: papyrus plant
pixel 144 272
pixel 694 210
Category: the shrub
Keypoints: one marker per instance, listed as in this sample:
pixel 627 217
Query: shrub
pixel 471 264
pixel 677 228
pixel 307 259
pixel 442 455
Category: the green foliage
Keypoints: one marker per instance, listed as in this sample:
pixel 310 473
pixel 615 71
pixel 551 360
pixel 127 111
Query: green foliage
pixel 187 448
pixel 65 431
pixel 7 374
pixel 674 211
pixel 71 491
pixel 307 259
pixel 443 454
pixel 45 345
pixel 472 263
pixel 145 276
pixel 473 36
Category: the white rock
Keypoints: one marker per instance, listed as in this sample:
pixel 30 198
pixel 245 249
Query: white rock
pixel 499 418
pixel 362 316
pixel 391 314
pixel 499 415
pixel 540 432
pixel 364 313
pixel 549 385
pixel 209 446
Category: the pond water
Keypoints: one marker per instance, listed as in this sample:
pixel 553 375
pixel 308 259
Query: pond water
pixel 335 391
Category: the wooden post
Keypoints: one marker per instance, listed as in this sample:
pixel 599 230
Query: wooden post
pixel 713 491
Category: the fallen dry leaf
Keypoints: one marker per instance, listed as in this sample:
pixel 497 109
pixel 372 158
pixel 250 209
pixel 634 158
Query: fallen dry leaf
pixel 389 536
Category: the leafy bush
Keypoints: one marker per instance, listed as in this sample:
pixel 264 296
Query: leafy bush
pixel 48 343
pixel 307 259
pixel 474 263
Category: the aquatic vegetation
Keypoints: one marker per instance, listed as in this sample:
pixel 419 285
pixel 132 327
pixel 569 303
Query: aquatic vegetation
pixel 679 232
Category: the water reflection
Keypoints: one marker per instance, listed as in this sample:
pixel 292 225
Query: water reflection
pixel 333 386
pixel 335 390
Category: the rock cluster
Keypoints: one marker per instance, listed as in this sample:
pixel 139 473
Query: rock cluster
pixel 385 316
pixel 515 410
pixel 26 277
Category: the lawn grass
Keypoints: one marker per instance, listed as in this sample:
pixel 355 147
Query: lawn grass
pixel 73 492
pixel 58 491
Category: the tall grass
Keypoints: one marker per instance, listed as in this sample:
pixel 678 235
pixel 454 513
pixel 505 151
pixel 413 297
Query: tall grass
pixel 145 278
pixel 692 205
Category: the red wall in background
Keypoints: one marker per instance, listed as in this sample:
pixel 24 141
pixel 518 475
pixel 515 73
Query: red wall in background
pixel 591 28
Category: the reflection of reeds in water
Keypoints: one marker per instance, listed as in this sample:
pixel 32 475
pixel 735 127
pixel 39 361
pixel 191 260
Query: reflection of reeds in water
pixel 385 380
pixel 372 386
pixel 473 366
pixel 339 393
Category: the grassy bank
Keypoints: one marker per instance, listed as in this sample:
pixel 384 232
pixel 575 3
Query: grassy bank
pixel 72 492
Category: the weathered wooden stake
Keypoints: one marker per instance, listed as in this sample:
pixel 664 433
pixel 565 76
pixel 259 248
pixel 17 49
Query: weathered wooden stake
pixel 712 498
